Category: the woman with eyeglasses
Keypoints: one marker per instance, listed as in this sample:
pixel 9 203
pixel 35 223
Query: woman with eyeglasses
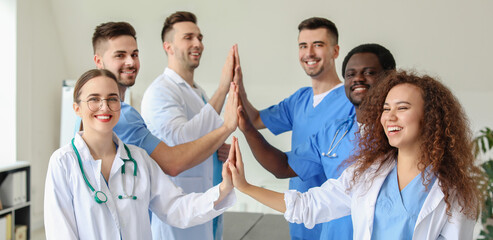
pixel 414 176
pixel 100 188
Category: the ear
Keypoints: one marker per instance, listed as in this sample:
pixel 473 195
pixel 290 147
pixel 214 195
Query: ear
pixel 167 47
pixel 77 109
pixel 336 51
pixel 98 60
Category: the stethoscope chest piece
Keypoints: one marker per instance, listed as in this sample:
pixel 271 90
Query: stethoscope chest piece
pixel 333 155
pixel 100 197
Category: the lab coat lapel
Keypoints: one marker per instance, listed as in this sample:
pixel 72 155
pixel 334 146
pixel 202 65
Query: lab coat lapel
pixel 118 162
pixel 434 198
pixel 372 194
pixel 184 85
pixel 92 167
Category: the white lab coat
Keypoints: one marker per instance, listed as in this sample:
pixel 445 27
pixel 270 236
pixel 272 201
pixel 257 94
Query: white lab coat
pixel 70 211
pixel 331 201
pixel 176 114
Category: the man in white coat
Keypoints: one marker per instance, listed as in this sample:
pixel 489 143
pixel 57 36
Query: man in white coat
pixel 177 110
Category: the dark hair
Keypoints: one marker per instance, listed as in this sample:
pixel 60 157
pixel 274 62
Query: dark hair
pixel 446 147
pixel 180 16
pixel 384 56
pixel 318 22
pixel 85 77
pixel 109 30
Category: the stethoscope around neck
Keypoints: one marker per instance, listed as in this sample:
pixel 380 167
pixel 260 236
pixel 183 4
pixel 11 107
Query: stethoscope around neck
pixel 349 124
pixel 100 196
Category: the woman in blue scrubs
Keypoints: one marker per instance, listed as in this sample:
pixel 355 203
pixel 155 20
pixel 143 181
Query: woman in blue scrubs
pixel 413 178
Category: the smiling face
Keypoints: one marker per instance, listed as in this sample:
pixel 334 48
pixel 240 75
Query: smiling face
pixel 362 71
pixel 317 52
pixel 185 47
pixel 104 119
pixel 402 114
pixel 120 55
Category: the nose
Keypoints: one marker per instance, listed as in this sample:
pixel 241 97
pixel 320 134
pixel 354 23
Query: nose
pixel 311 50
pixel 391 116
pixel 359 77
pixel 197 43
pixel 104 105
pixel 129 61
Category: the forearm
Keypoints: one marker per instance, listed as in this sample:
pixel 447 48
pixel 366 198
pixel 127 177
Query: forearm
pixel 274 200
pixel 253 114
pixel 223 192
pixel 217 100
pixel 174 160
pixel 271 158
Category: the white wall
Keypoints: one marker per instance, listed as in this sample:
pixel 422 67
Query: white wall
pixel 40 68
pixel 450 39
pixel 8 90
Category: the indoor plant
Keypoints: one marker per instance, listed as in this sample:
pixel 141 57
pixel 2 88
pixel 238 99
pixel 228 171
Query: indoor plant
pixel 483 145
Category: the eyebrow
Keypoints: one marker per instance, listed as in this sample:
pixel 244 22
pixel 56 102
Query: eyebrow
pixel 123 51
pixel 400 102
pixel 192 33
pixel 98 95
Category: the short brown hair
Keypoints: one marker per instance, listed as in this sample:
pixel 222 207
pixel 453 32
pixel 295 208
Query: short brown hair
pixel 180 16
pixel 318 22
pixel 85 77
pixel 109 30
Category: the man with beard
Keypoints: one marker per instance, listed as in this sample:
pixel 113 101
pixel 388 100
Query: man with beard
pixel 308 109
pixel 115 49
pixel 177 110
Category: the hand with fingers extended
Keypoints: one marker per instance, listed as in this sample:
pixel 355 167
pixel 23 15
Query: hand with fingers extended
pixel 238 74
pixel 226 185
pixel 235 164
pixel 230 111
pixel 223 152
pixel 244 122
pixel 228 71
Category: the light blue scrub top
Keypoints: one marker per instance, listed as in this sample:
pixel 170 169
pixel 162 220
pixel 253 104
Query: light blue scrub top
pixel 131 129
pixel 312 158
pixel 297 114
pixel 396 212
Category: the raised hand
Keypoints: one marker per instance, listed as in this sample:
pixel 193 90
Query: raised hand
pixel 230 111
pixel 223 151
pixel 235 164
pixel 244 122
pixel 238 75
pixel 227 72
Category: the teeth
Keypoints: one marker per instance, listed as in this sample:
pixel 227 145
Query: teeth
pixel 195 54
pixel 103 117
pixel 311 62
pixel 127 72
pixel 359 89
pixel 393 129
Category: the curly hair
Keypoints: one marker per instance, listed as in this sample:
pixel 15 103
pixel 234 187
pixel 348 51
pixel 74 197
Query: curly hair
pixel 446 140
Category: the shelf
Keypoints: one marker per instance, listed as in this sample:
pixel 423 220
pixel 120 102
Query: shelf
pixel 16 207
pixel 21 212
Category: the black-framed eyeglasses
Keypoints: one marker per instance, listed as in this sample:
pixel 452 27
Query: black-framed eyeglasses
pixel 96 103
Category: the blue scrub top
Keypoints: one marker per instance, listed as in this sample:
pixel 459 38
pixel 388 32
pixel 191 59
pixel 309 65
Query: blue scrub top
pixel 297 114
pixel 313 158
pixel 131 129
pixel 396 212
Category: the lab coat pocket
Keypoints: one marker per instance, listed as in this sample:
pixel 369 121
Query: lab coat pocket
pixel 191 184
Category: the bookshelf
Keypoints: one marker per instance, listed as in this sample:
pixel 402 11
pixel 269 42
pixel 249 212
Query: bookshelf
pixel 21 211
